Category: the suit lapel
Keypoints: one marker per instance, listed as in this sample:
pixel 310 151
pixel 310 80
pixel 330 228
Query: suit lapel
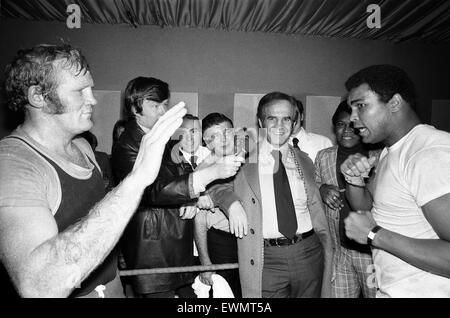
pixel 308 171
pixel 332 166
pixel 251 173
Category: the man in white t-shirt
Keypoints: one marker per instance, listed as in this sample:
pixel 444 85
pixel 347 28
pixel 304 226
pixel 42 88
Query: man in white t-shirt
pixel 307 141
pixel 409 224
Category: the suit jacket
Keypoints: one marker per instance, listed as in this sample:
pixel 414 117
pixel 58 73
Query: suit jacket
pixel 251 247
pixel 326 174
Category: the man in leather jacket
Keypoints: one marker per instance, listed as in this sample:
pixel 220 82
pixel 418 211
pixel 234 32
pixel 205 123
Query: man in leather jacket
pixel 157 236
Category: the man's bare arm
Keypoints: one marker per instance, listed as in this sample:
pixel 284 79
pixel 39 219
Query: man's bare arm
pixel 359 198
pixel 223 196
pixel 355 168
pixel 432 255
pixel 200 237
pixel 45 263
pixel 201 241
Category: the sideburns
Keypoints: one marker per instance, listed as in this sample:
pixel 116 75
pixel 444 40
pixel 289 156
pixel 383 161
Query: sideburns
pixel 54 105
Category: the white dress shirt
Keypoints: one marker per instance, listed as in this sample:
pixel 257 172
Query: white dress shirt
pixel 266 165
pixel 201 153
pixel 311 143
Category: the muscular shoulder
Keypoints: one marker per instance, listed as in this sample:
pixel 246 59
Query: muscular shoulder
pixel 16 154
pixel 424 143
pixel 423 163
pixel 26 178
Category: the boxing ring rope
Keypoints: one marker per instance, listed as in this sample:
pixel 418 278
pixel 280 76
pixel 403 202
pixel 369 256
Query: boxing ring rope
pixel 181 269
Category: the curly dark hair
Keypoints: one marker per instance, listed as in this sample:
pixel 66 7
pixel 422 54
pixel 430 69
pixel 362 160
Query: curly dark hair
pixel 386 81
pixel 342 108
pixel 36 67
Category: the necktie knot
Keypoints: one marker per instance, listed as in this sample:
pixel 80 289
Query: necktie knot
pixel 276 154
pixel 295 142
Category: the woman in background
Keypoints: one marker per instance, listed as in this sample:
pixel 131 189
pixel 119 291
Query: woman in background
pixel 352 262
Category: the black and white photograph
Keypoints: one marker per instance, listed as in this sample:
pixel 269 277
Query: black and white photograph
pixel 217 151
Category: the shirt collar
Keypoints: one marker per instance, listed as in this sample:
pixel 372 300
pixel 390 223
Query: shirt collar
pixel 301 134
pixel 201 153
pixel 266 149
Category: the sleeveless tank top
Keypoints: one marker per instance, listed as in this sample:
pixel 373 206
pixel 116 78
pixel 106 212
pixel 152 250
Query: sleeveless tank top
pixel 77 198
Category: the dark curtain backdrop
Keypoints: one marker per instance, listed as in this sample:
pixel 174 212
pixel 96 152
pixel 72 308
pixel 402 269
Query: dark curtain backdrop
pixel 402 20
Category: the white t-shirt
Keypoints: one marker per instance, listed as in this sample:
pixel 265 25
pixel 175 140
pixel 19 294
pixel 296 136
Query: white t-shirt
pixel 311 143
pixel 412 172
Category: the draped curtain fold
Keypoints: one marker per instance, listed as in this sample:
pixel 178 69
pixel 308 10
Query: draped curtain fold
pixel 427 20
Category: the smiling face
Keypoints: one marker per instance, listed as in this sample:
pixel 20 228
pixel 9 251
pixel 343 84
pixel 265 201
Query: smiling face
pixel 220 139
pixel 278 118
pixel 74 100
pixel 345 135
pixel 369 115
pixel 191 135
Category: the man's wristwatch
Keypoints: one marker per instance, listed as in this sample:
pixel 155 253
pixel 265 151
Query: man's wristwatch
pixel 372 233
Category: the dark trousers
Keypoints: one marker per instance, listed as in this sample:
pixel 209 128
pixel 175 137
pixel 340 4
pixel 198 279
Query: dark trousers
pixel 293 271
pixel 222 249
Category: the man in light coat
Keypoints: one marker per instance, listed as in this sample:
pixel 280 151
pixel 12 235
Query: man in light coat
pixel 286 252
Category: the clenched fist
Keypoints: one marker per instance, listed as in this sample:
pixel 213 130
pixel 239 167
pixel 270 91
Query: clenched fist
pixel 358 225
pixel 357 167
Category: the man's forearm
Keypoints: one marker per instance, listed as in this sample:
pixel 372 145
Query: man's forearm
pixel 223 196
pixel 358 197
pixel 60 264
pixel 205 176
pixel 201 238
pixel 431 255
pixel 176 190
